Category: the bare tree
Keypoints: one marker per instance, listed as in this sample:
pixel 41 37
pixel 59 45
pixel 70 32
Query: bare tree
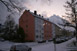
pixel 71 8
pixel 12 5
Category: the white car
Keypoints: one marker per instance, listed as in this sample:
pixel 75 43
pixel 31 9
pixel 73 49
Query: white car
pixel 20 47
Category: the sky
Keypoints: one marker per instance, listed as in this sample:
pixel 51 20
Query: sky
pixel 46 7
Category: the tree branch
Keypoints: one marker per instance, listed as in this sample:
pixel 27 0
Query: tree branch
pixel 4 2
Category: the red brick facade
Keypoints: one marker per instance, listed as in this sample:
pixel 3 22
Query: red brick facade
pixel 47 30
pixel 26 21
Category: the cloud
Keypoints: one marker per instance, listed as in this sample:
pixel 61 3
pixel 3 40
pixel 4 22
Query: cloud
pixel 46 2
pixel 38 5
pixel 44 13
pixel 36 2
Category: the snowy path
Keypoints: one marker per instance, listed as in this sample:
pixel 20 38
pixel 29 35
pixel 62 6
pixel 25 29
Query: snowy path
pixel 38 46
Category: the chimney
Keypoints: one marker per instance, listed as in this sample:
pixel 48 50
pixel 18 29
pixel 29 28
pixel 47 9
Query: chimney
pixel 42 16
pixel 39 15
pixel 28 10
pixel 35 12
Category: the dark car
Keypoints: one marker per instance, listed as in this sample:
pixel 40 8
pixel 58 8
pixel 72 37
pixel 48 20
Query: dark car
pixel 1 39
pixel 59 40
pixel 20 47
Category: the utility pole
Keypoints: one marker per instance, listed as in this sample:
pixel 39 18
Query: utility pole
pixel 54 47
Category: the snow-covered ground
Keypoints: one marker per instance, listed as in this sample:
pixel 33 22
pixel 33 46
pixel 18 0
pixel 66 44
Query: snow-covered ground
pixel 49 46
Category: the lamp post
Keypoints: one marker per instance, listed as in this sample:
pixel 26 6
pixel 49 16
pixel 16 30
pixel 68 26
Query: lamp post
pixel 76 26
pixel 54 41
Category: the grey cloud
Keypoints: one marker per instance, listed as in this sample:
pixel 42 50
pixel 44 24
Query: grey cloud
pixel 44 13
pixel 46 2
pixel 42 2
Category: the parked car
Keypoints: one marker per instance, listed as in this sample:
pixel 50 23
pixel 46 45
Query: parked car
pixel 60 40
pixel 20 47
pixel 66 38
pixel 56 40
pixel 42 41
pixel 1 50
pixel 1 39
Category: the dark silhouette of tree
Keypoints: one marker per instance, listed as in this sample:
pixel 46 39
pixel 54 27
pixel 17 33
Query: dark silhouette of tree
pixel 71 8
pixel 9 30
pixel 21 34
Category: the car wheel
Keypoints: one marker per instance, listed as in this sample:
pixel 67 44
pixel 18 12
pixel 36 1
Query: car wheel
pixel 29 49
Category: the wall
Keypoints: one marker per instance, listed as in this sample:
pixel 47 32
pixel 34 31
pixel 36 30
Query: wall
pixel 26 21
pixel 47 30
pixel 39 29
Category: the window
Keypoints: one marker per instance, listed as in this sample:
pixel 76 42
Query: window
pixel 26 30
pixel 40 36
pixel 46 23
pixel 26 26
pixel 36 30
pixel 27 15
pixel 36 36
pixel 42 33
pixel 22 20
pixel 43 24
pixel 26 20
pixel 42 28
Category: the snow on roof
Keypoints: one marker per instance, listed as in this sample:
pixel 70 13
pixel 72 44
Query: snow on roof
pixel 58 20
pixel 39 16
pixel 70 28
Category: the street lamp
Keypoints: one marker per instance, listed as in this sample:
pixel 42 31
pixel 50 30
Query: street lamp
pixel 54 41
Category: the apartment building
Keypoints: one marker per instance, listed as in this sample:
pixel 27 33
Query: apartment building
pixel 35 26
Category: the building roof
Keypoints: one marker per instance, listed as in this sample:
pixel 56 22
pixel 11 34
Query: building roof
pixel 39 16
